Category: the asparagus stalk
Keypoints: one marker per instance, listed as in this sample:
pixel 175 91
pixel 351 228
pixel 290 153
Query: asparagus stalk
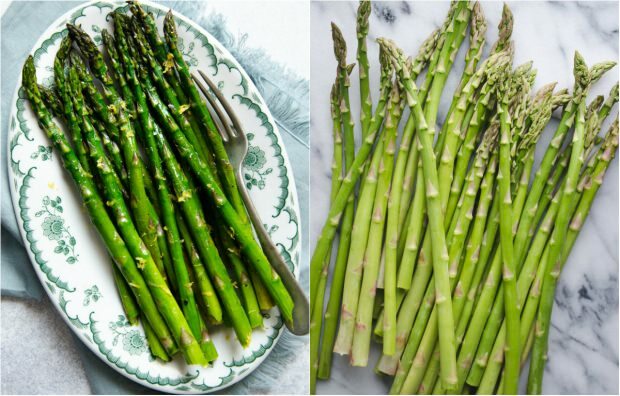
pixel 402 185
pixel 421 60
pixel 316 319
pixel 440 65
pixel 363 12
pixel 157 349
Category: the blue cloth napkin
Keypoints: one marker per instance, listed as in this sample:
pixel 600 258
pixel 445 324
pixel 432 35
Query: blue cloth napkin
pixel 287 98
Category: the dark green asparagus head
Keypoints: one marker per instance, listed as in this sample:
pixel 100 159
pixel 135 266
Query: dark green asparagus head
pixel 52 100
pixel 425 52
pixel 170 30
pixel 108 41
pixel 83 40
pixel 340 46
pixel 363 12
pixel 90 51
pixel 64 49
pixel 137 10
pixel 59 61
pixel 29 83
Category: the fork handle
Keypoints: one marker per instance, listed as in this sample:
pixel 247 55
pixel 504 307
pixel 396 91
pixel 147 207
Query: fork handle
pixel 301 311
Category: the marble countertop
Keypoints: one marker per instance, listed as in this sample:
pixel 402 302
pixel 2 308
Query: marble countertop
pixel 583 350
pixel 47 361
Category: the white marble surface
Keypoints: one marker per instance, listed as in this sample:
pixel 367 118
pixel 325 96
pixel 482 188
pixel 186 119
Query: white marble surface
pixel 39 354
pixel 583 353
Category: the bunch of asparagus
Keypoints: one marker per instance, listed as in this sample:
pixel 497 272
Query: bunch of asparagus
pixel 451 241
pixel 155 178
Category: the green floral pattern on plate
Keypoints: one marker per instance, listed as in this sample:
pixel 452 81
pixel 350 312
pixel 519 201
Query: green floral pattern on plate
pixel 91 294
pixel 50 235
pixel 253 164
pixel 54 228
pixel 43 152
pixel 133 340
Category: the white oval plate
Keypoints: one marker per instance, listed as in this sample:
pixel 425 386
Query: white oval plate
pixel 67 254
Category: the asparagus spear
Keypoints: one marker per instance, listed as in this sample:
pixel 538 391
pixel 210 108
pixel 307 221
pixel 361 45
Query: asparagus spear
pixel 401 186
pixel 363 12
pixel 157 349
pixel 453 33
pixel 512 308
pixel 316 320
pixel 343 71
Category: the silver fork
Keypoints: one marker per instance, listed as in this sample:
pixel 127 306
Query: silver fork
pixel 236 143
